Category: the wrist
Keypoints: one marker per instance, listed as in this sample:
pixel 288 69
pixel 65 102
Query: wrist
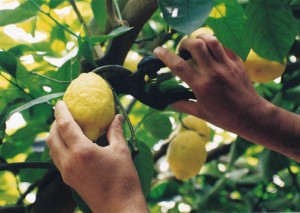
pixel 131 201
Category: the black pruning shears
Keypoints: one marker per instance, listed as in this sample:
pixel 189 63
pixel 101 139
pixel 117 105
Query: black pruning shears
pixel 147 84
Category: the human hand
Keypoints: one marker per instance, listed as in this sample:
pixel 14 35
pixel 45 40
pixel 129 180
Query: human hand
pixel 104 177
pixel 225 96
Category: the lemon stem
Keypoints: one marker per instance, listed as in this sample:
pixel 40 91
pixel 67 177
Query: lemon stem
pixel 134 145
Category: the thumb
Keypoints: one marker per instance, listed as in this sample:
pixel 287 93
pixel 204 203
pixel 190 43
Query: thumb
pixel 115 133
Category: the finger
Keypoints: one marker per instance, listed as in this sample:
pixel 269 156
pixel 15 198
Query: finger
pixel 215 47
pixel 57 146
pixel 231 54
pixel 115 133
pixel 179 66
pixel 199 51
pixel 189 107
pixel 67 127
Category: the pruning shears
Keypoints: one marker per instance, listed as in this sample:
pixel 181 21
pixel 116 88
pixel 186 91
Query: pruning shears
pixel 147 84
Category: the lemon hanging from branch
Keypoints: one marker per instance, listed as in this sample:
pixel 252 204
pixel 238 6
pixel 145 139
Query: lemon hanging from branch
pixel 91 103
pixel 186 154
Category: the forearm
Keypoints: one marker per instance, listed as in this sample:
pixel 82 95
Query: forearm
pixel 274 128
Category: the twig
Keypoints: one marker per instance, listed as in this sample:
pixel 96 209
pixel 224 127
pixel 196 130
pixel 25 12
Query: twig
pixel 50 79
pixel 53 19
pixel 80 18
pixel 26 165
pixel 16 85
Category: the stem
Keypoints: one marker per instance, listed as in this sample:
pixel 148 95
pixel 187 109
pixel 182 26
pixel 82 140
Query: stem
pixel 134 147
pixel 26 165
pixel 50 79
pixel 53 19
pixel 16 85
pixel 80 18
pixel 117 10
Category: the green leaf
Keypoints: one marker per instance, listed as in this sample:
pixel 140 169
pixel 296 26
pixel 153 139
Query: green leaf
pixel 163 189
pixel 99 11
pixel 271 28
pixel 115 33
pixel 19 14
pixel 20 49
pixel 45 155
pixel 237 149
pixel 36 101
pixel 270 163
pixel 227 20
pixel 185 15
pixel 86 49
pixel 144 165
pixel 30 175
pixel 158 124
pixel 8 62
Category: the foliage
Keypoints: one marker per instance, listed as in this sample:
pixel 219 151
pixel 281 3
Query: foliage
pixel 46 43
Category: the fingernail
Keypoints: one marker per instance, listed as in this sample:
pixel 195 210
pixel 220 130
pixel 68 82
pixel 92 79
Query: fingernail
pixel 121 118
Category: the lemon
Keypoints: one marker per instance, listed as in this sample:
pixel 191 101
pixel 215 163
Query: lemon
pixel 262 70
pixel 131 61
pixel 186 154
pixel 202 30
pixel 91 103
pixel 191 122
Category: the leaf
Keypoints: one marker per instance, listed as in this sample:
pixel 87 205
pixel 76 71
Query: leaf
pixel 164 188
pixel 185 15
pixel 19 14
pixel 144 165
pixel 115 33
pixel 237 149
pixel 227 20
pixel 270 163
pixel 99 11
pixel 271 28
pixel 86 49
pixel 30 175
pixel 9 63
pixel 36 101
pixel 158 124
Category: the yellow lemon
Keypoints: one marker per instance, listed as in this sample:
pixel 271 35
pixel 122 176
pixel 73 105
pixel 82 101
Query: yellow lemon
pixel 262 70
pixel 91 103
pixel 131 61
pixel 191 122
pixel 202 30
pixel 186 154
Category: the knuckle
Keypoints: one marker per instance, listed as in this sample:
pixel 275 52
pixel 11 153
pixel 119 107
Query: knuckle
pixel 180 66
pixel 83 155
pixel 64 125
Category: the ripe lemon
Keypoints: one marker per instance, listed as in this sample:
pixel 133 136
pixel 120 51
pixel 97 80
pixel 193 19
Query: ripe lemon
pixel 91 103
pixel 186 154
pixel 262 70
pixel 191 122
pixel 131 61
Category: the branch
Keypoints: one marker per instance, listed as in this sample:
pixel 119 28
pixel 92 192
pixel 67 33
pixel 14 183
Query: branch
pixel 26 165
pixel 136 13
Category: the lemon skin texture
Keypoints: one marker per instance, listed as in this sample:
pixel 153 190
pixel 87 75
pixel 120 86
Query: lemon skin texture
pixel 186 154
pixel 91 103
pixel 191 122
pixel 261 70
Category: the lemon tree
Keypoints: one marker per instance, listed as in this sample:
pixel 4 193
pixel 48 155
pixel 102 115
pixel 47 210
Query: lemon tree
pixel 48 50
